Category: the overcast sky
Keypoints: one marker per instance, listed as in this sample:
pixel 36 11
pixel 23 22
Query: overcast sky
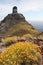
pixel 32 9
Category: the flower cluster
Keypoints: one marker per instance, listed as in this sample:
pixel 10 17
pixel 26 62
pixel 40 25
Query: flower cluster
pixel 21 52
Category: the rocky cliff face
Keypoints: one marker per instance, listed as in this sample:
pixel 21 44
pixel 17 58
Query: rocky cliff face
pixel 15 24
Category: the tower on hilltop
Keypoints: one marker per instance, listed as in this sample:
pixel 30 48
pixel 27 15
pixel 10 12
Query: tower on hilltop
pixel 14 10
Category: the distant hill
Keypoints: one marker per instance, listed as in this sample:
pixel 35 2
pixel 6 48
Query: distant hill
pixel 15 24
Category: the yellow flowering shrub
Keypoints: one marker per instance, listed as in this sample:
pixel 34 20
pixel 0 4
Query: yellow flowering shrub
pixel 28 36
pixel 20 53
pixel 9 40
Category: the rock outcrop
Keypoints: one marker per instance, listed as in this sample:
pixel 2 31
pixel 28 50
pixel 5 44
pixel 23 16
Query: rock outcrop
pixel 15 24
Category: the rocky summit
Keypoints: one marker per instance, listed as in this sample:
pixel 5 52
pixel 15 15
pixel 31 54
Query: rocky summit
pixel 15 24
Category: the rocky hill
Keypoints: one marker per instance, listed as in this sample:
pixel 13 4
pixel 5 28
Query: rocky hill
pixel 15 24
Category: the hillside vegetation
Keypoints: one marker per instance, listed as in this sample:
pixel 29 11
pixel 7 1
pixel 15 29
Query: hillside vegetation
pixel 20 53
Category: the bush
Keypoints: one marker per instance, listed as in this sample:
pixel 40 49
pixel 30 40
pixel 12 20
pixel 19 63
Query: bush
pixel 8 41
pixel 21 53
pixel 11 40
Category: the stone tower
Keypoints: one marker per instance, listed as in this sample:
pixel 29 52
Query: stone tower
pixel 14 10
